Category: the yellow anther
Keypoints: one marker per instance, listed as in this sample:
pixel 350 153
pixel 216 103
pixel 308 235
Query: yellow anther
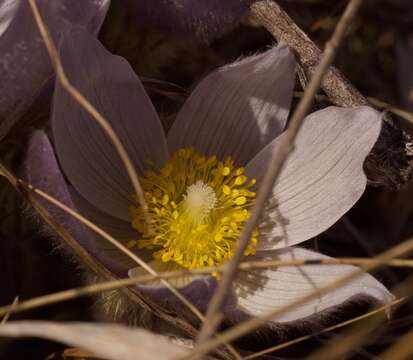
pixel 226 171
pixel 240 180
pixel 166 256
pixel 226 190
pixel 240 200
pixel 165 199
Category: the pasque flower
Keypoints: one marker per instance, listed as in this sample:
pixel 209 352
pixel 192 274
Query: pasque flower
pixel 25 67
pixel 200 180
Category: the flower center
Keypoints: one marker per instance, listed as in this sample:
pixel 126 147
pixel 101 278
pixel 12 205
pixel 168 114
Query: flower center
pixel 198 207
pixel 199 200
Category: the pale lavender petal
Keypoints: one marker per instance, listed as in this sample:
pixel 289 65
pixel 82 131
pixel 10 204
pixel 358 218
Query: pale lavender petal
pixel 24 63
pixel 203 18
pixel 322 178
pixel 42 171
pixel 85 152
pixel 8 10
pixel 121 230
pixel 239 108
pixel 262 291
pixel 115 342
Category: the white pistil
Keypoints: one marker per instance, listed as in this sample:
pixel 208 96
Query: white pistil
pixel 200 200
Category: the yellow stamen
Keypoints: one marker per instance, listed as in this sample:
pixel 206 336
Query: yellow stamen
pixel 198 207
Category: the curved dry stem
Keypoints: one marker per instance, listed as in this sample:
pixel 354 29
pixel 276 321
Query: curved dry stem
pixel 284 345
pixel 83 102
pixel 123 249
pixel 243 328
pixel 278 159
pixel 96 229
pixel 7 313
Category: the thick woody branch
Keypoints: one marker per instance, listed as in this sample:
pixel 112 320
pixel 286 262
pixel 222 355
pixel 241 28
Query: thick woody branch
pixel 391 161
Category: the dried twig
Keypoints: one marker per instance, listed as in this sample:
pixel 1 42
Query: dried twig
pixel 401 350
pixel 214 315
pixel 357 334
pixel 87 260
pixel 7 313
pixel 244 328
pixel 114 242
pixel 391 161
pixel 107 128
pixel 70 294
pixel 385 308
pixel 103 123
pixel 404 114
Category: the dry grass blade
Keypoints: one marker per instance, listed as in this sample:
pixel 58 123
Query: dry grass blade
pixel 114 242
pixel 128 252
pixel 284 345
pixel 360 333
pixel 142 279
pixel 213 316
pixel 61 76
pixel 399 112
pixel 113 342
pixel 244 328
pixel 96 267
pixel 121 247
pixel 404 114
pixel 401 350
pixel 7 314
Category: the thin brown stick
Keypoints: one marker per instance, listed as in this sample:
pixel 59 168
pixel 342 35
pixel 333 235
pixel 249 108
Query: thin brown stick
pixel 339 90
pixel 357 334
pixel 61 76
pixel 404 114
pixel 96 267
pixel 213 316
pixel 385 308
pixel 401 350
pixel 389 161
pixel 122 248
pixel 245 327
pixel 103 123
pixel 7 313
pixel 114 242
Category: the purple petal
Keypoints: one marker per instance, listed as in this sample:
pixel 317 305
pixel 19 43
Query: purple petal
pixel 42 171
pixel 85 152
pixel 322 178
pixel 24 63
pixel 121 230
pixel 204 18
pixel 262 291
pixel 239 108
pixel 198 290
pixel 108 341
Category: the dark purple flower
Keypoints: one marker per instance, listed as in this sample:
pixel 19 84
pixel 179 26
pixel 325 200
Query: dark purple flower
pixel 25 67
